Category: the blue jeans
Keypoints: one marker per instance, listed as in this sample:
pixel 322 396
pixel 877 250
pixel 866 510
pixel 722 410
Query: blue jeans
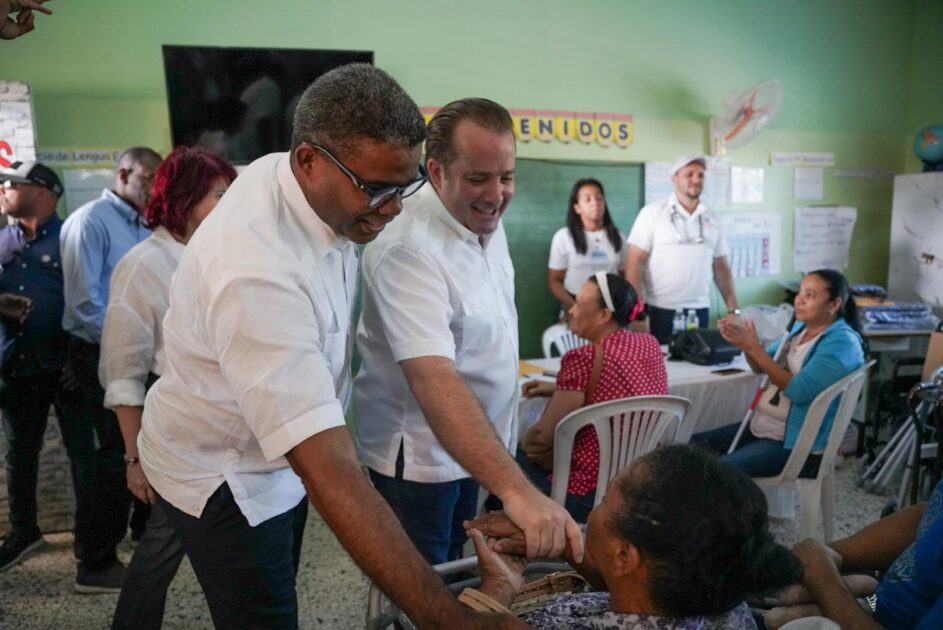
pixel 431 513
pixel 757 457
pixel 578 505
pixel 661 321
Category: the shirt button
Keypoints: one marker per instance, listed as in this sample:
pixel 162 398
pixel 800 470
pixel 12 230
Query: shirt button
pixel 24 265
pixel 22 287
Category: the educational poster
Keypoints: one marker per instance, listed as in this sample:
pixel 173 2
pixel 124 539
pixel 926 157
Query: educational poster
pixel 83 185
pixel 809 184
pixel 755 242
pixel 822 237
pixel 746 184
pixel 716 193
pixel 17 131
pixel 657 181
pixel 916 256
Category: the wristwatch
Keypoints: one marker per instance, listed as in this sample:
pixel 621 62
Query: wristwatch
pixel 131 461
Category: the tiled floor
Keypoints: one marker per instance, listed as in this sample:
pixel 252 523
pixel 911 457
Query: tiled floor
pixel 331 590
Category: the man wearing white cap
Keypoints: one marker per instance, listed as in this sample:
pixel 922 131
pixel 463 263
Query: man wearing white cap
pixel 674 248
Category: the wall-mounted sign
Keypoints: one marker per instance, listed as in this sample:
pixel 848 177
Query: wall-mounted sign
pixel 17 131
pixel 551 125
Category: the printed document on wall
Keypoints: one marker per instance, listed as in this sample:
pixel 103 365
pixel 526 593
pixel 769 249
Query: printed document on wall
pixel 83 185
pixel 822 237
pixel 754 241
pixel 657 181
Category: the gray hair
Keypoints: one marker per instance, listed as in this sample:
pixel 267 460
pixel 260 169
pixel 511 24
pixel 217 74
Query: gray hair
pixel 353 103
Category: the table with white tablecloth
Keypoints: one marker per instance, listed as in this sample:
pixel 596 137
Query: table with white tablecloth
pixel 716 398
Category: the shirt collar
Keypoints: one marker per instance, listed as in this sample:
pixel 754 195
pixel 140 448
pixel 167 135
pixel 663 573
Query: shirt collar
pixel 322 238
pixel 431 196
pixel 674 204
pixel 123 208
pixel 41 229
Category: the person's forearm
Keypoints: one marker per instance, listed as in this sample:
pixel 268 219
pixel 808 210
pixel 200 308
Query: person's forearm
pixel 559 291
pixel 367 528
pixel 724 279
pixel 876 546
pixel 633 273
pixel 459 423
pixel 129 420
pixel 760 361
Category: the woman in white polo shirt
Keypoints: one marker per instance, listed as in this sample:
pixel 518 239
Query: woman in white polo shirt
pixel 588 244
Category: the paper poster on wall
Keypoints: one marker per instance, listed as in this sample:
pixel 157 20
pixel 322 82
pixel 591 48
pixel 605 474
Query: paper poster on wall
pixel 916 261
pixel 809 184
pixel 716 193
pixel 657 181
pixel 746 184
pixel 17 130
pixel 84 185
pixel 755 242
pixel 822 237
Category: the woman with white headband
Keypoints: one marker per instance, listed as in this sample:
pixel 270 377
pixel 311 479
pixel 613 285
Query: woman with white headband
pixel 617 364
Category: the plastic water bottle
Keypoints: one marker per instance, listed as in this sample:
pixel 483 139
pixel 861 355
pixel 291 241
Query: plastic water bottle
pixel 678 324
pixel 692 322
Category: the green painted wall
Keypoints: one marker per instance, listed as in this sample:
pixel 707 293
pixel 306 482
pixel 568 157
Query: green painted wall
pixel 859 78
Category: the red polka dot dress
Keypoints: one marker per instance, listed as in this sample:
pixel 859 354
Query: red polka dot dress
pixel 632 366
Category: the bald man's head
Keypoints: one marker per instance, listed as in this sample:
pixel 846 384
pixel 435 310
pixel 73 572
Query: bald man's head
pixel 136 168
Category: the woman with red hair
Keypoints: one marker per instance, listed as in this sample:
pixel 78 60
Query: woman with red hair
pixel 186 188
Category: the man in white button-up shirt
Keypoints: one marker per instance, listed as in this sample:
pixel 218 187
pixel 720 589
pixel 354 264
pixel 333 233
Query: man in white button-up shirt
pixel 675 246
pixel 258 357
pixel 435 399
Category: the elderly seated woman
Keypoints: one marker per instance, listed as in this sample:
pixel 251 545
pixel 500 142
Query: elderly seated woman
pixel 679 541
pixel 617 364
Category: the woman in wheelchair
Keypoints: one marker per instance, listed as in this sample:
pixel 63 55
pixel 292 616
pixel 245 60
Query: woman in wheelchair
pixel 823 347
pixel 617 364
pixel 679 541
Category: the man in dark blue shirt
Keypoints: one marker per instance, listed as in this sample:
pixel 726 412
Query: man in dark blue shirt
pixel 32 355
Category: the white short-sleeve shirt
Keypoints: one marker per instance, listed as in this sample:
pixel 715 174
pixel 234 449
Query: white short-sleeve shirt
pixel 678 274
pixel 257 345
pixel 431 289
pixel 600 256
pixel 132 337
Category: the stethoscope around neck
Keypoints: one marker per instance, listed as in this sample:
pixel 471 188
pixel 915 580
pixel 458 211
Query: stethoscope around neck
pixel 687 239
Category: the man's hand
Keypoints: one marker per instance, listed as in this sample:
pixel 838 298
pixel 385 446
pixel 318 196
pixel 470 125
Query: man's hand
pixel 547 526
pixel 139 485
pixel 532 389
pixel 16 306
pixel 10 28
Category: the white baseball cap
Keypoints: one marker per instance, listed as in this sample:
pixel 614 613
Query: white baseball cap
pixel 684 160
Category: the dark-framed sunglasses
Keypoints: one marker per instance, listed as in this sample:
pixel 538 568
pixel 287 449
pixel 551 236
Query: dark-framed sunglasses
pixel 377 196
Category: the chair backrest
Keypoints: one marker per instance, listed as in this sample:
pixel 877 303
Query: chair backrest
pixel 560 337
pixel 849 388
pixel 626 428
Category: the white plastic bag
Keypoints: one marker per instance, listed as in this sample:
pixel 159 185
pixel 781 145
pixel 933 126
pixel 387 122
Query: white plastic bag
pixel 770 321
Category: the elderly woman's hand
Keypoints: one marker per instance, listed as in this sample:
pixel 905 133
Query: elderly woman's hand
pixel 532 389
pixel 739 331
pixel 506 537
pixel 502 575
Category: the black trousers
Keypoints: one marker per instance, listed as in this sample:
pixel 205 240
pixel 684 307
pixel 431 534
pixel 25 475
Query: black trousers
pixel 25 403
pixel 109 499
pixel 247 573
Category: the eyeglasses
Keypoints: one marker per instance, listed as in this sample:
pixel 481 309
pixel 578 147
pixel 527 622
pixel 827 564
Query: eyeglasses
pixel 687 239
pixel 378 196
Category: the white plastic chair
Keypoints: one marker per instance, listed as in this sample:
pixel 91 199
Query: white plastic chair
pixel 817 496
pixel 560 336
pixel 626 428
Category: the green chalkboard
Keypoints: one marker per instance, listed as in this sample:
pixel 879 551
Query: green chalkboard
pixel 537 211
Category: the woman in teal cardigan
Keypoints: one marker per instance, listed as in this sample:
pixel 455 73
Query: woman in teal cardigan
pixel 824 346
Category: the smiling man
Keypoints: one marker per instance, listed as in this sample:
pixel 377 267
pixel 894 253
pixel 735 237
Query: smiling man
pixel 435 399
pixel 258 363
pixel 674 248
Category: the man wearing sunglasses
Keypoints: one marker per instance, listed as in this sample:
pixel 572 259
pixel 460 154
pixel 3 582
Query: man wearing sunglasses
pixel 436 394
pixel 675 246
